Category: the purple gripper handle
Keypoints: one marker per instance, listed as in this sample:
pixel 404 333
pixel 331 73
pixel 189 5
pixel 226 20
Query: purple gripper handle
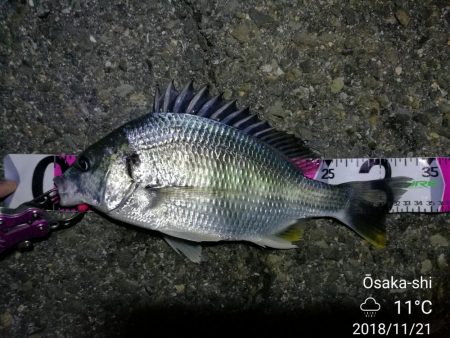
pixel 19 226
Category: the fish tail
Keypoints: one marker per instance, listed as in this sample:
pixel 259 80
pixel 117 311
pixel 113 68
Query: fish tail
pixel 368 204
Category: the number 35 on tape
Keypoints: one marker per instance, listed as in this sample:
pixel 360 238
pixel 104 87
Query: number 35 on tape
pixel 429 190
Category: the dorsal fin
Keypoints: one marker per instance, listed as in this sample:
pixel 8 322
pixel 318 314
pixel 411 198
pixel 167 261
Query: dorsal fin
pixel 202 104
pixel 169 98
pixel 210 106
pixel 156 100
pixel 197 101
pixel 184 98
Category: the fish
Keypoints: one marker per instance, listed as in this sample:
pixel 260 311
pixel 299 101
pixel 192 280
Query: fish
pixel 199 169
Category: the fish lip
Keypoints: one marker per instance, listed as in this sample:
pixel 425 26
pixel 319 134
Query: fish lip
pixel 59 184
pixel 63 195
pixel 58 180
pixel 61 187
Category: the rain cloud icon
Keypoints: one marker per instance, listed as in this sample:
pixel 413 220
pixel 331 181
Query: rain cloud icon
pixel 370 307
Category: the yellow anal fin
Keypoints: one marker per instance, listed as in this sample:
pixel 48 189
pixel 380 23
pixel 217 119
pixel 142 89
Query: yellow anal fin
pixel 293 234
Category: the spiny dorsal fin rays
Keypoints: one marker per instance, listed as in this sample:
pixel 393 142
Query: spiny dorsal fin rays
pixel 266 136
pixel 263 132
pixel 255 126
pixel 201 104
pixel 197 101
pixel 156 100
pixel 287 148
pixel 184 98
pixel 169 97
pixel 276 138
pixel 235 116
pixel 210 106
pixel 225 110
pixel 245 122
pixel 282 142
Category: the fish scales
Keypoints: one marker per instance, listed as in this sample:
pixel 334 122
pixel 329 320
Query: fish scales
pixel 249 188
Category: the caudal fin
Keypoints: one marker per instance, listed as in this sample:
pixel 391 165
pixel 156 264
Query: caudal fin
pixel 369 203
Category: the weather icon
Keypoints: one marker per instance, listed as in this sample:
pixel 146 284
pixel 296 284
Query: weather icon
pixel 370 307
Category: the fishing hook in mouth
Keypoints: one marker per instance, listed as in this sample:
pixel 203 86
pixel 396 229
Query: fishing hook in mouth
pixel 47 201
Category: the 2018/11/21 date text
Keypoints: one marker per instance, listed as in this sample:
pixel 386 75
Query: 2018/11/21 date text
pixel 386 329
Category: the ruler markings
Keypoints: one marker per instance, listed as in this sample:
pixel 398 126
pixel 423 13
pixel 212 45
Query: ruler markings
pixel 424 194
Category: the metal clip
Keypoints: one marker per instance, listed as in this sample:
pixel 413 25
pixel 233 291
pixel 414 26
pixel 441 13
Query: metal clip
pixel 29 222
pixel 22 225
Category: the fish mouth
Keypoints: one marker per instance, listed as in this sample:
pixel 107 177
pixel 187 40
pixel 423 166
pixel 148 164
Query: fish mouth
pixel 60 187
pixel 59 183
pixel 66 192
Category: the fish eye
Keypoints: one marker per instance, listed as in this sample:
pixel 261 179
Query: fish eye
pixel 83 163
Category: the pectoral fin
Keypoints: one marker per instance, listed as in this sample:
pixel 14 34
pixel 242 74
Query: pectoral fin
pixel 170 194
pixel 192 250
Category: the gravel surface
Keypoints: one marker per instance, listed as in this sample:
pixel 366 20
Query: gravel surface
pixel 353 78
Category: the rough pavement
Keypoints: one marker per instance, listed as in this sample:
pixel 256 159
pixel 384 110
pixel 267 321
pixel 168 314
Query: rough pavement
pixel 355 79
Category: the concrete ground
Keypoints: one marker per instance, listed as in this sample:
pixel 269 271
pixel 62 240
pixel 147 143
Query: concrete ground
pixel 353 78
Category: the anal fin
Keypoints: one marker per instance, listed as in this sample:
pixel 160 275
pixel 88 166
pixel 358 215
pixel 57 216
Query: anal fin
pixel 294 233
pixel 275 242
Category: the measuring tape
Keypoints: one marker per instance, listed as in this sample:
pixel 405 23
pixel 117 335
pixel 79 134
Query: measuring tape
pixel 429 190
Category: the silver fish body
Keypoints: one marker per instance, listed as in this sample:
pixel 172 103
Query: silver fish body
pixel 198 172
pixel 209 181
